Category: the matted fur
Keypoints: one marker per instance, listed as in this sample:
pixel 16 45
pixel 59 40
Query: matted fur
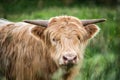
pixel 28 52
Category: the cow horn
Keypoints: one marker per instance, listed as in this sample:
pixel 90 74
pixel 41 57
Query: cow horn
pixel 43 23
pixel 92 21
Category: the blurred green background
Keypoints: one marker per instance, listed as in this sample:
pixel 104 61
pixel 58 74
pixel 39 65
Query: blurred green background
pixel 102 56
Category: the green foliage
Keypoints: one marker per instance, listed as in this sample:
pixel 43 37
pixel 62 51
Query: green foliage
pixel 102 57
pixel 99 67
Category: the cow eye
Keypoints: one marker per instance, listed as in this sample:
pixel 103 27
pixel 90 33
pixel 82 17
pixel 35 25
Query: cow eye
pixel 54 39
pixel 78 37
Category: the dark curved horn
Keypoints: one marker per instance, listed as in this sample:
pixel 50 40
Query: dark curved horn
pixel 43 23
pixel 92 21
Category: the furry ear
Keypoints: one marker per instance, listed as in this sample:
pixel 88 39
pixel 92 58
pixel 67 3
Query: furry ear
pixel 37 32
pixel 92 30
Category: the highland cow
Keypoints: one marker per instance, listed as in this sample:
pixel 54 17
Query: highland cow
pixel 37 49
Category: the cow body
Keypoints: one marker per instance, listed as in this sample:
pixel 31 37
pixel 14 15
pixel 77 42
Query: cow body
pixel 31 52
pixel 21 55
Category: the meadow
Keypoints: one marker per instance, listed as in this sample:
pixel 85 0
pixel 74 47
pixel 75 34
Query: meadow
pixel 101 58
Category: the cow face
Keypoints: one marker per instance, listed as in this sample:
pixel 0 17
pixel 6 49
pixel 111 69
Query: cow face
pixel 66 38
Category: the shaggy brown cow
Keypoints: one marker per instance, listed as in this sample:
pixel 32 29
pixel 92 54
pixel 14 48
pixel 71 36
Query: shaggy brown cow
pixel 38 50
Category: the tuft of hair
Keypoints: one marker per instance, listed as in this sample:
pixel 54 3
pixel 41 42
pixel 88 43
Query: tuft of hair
pixel 4 21
pixel 63 16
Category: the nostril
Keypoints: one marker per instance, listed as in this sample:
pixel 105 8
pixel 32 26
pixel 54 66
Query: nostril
pixel 69 58
pixel 75 58
pixel 65 58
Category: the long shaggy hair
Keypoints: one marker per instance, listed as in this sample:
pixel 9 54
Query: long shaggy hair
pixel 30 52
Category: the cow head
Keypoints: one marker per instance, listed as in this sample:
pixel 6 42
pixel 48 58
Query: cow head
pixel 66 37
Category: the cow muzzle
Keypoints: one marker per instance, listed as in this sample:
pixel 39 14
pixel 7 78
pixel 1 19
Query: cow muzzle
pixel 69 59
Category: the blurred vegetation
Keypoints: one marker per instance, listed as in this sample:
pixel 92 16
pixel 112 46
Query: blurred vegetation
pixel 18 6
pixel 102 56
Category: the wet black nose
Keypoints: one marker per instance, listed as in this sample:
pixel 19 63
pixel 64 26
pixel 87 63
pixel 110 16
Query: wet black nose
pixel 70 59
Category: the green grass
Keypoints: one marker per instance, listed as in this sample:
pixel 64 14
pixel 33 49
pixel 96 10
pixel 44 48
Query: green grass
pixel 101 60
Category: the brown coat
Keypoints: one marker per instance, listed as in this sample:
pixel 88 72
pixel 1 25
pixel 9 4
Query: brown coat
pixel 27 52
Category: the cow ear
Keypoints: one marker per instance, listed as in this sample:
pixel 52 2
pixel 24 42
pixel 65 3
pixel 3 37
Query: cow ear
pixel 92 30
pixel 37 32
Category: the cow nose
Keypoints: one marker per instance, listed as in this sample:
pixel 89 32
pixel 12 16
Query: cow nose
pixel 68 59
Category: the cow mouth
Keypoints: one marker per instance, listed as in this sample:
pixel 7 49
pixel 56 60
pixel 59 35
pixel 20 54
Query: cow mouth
pixel 68 66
